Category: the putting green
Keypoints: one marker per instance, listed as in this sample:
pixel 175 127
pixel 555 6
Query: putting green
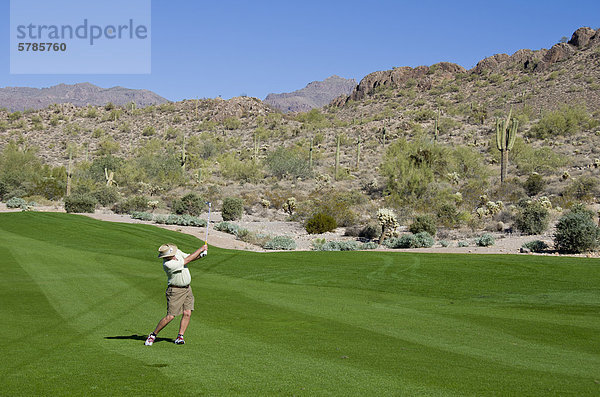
pixel 78 297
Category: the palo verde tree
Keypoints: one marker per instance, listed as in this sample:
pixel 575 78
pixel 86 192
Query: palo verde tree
pixel 506 133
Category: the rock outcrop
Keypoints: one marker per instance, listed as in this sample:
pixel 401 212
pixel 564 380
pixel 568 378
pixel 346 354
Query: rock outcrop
pixel 524 60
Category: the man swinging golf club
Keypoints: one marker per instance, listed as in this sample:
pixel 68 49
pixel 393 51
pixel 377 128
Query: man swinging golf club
pixel 180 299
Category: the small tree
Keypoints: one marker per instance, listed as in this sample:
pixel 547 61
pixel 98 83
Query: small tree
pixel 576 232
pixel 190 204
pixel 320 223
pixel 423 223
pixel 533 218
pixel 233 208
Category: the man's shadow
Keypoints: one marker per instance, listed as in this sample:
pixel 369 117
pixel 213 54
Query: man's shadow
pixel 139 337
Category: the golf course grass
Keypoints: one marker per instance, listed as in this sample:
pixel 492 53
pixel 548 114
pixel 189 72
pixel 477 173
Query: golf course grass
pixel 79 296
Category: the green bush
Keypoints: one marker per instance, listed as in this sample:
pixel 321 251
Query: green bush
pixel 16 202
pixel 336 246
pixel 106 195
pixel 584 188
pixel 320 223
pixel 370 232
pixel 534 184
pixel 227 228
pixel 423 223
pixel 409 240
pixel 143 216
pixel 576 232
pixel 536 246
pixel 233 208
pixel 80 203
pixel 288 163
pixel 280 243
pixel 566 121
pixel 533 218
pixel 449 216
pixel 134 203
pixel 180 220
pixel 369 246
pixel 190 204
pixel 486 240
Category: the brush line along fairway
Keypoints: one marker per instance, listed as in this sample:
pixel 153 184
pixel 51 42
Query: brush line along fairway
pixel 79 296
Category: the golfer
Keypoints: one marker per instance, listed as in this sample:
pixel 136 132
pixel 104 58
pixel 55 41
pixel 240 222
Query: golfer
pixel 180 299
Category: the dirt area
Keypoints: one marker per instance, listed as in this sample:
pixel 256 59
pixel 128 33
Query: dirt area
pixel 505 244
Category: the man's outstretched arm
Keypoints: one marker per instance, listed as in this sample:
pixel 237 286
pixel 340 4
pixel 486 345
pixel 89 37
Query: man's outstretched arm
pixel 195 255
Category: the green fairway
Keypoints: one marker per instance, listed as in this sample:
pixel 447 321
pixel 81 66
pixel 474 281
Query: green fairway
pixel 79 296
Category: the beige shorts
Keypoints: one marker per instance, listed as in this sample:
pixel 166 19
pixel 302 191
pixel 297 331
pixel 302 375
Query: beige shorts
pixel 178 300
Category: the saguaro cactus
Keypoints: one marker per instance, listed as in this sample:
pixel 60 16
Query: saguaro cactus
pixel 337 158
pixel 506 133
pixel 310 154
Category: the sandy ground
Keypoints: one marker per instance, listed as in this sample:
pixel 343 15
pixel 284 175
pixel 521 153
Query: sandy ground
pixel 505 244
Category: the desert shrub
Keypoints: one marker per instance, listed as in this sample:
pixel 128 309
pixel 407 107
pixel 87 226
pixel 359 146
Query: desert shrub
pixel 254 238
pixel 190 204
pixel 448 215
pixel 566 121
pixel 335 246
pixel 288 163
pixel 486 240
pixel 409 240
pixel 584 188
pixel 133 203
pixel 185 220
pixel 423 223
pixel 536 246
pixel 240 170
pixel 280 243
pixel 16 202
pixel 320 223
pixel 143 216
pixel 369 245
pixel 463 244
pixel 445 243
pixel 232 209
pixel 576 232
pixel 534 184
pixel 80 203
pixel 528 159
pixel 227 227
pixel 106 195
pixel 370 232
pixel 337 204
pixel 533 218
pixel 180 220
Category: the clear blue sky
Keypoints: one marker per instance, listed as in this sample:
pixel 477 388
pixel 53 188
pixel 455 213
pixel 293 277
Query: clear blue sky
pixel 211 48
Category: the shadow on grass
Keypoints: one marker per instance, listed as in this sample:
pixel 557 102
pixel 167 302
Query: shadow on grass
pixel 139 337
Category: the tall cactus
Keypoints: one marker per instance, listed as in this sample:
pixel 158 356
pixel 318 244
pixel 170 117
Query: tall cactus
pixel 506 133
pixel 310 154
pixel 337 158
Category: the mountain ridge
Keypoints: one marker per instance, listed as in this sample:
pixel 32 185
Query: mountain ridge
pixel 80 94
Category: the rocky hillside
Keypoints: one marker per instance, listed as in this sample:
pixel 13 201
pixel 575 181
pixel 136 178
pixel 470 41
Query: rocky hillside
pixel 245 147
pixel 82 94
pixel 314 95
pixel 543 79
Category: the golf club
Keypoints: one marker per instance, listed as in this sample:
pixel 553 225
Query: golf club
pixel 207 222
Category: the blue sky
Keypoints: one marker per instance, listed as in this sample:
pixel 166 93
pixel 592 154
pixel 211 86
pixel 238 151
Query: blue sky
pixel 228 48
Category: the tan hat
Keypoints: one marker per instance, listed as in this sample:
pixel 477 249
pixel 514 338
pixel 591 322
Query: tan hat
pixel 167 250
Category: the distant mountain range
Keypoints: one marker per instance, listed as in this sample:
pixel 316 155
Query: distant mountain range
pixel 82 94
pixel 314 95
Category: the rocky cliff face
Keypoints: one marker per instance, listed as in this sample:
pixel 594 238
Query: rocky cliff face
pixel 423 77
pixel 21 98
pixel 314 95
